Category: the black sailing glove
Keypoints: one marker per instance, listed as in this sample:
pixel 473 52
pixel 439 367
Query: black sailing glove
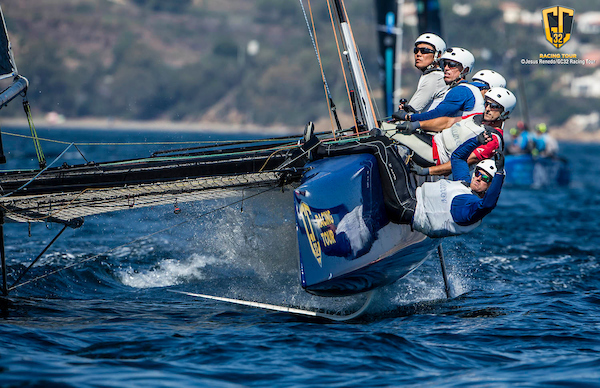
pixel 408 128
pixel 400 115
pixel 499 160
pixel 484 137
pixel 419 170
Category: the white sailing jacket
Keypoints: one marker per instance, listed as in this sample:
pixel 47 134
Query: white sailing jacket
pixel 431 90
pixel 432 214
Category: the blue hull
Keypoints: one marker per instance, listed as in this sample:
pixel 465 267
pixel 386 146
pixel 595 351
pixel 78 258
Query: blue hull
pixel 525 170
pixel 337 256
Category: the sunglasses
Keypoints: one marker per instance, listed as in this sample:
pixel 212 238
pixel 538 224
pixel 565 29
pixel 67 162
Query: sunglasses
pixel 484 177
pixel 451 64
pixel 423 50
pixel 494 105
pixel 485 86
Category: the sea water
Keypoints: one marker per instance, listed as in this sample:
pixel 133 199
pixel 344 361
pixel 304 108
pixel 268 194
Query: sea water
pixel 525 309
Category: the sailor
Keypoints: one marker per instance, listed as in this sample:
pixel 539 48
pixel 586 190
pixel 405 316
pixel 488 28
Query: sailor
pixel 431 88
pixel 432 153
pixel 543 143
pixel 462 99
pixel 521 141
pixel 437 209
pixel 487 79
pixel 484 80
pixel 452 207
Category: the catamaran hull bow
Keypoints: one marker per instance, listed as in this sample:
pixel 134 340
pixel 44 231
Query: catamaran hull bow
pixel 347 244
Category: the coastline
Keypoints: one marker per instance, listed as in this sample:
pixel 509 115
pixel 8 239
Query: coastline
pixel 569 135
pixel 566 133
pixel 154 125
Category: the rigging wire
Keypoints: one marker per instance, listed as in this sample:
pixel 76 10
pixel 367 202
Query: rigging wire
pixel 329 98
pixel 38 174
pixel 216 143
pixel 315 46
pixel 153 158
pixel 140 239
pixel 362 75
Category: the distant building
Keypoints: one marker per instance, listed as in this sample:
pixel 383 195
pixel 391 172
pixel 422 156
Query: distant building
pixel 588 22
pixel 512 13
pixel 586 86
pixel 583 123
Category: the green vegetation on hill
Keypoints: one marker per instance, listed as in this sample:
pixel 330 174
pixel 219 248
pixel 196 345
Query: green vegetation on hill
pixel 188 59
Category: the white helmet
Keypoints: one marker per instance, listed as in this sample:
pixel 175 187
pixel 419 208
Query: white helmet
pixel 487 165
pixel 503 97
pixel 462 56
pixel 491 78
pixel 432 39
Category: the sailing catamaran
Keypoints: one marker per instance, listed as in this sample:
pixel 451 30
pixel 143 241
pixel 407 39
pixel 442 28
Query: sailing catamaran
pixel 330 195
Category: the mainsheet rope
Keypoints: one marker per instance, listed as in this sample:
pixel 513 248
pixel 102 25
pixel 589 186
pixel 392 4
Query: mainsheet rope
pixel 244 198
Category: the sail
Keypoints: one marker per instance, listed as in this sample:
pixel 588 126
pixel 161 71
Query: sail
pixel 387 32
pixel 8 67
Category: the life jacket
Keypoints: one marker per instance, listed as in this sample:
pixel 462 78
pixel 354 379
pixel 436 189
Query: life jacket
pixel 478 107
pixel 432 213
pixel 447 141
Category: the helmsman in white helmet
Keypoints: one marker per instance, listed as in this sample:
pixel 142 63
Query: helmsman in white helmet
pixel 431 87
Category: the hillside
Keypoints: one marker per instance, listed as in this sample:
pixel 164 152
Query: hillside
pixel 187 60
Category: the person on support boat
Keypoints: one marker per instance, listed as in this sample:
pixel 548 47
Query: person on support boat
pixel 432 153
pixel 521 140
pixel 543 143
pixel 437 209
pixel 431 88
pixel 462 99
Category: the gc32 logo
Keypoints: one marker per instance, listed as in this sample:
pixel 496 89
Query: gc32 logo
pixel 558 24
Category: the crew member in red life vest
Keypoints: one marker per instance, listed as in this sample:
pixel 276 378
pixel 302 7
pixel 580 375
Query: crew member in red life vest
pixel 432 153
pixel 437 209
